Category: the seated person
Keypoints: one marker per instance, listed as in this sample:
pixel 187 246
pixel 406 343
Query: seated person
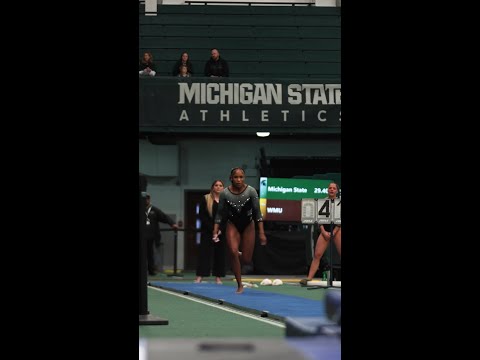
pixel 216 66
pixel 146 66
pixel 183 71
pixel 184 60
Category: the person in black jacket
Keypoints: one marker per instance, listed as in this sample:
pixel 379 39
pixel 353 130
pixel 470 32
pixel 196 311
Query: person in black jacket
pixel 184 60
pixel 207 212
pixel 152 231
pixel 216 66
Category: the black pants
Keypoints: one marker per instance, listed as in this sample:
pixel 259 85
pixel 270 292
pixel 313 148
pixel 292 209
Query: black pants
pixel 150 255
pixel 208 248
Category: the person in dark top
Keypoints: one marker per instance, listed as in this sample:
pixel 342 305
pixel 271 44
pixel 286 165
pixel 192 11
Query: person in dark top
pixel 152 231
pixel 326 232
pixel 184 60
pixel 216 66
pixel 146 66
pixel 207 213
pixel 239 207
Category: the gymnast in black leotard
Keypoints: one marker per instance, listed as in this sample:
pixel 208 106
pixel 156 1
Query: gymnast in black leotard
pixel 239 207
pixel 326 232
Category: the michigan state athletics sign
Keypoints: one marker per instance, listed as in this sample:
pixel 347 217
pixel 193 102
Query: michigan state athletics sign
pixel 238 103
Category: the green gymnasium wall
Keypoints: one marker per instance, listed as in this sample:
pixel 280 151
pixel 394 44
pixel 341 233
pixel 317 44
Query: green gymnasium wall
pixel 257 41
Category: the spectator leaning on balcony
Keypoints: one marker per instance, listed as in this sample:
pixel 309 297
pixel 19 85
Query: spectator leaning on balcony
pixel 216 66
pixel 146 66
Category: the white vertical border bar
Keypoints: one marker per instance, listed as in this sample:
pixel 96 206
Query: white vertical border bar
pixel 151 7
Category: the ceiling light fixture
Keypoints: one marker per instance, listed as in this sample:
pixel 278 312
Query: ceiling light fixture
pixel 263 134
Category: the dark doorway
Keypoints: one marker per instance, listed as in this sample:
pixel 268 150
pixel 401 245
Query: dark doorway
pixel 192 223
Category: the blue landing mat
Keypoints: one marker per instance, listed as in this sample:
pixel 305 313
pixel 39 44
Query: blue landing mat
pixel 277 305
